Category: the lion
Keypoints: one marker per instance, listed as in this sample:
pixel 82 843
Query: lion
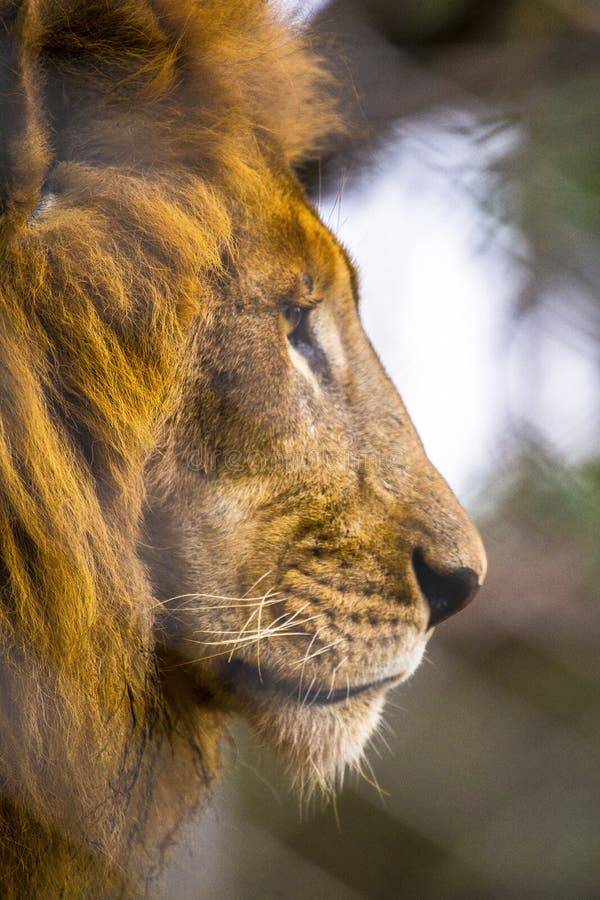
pixel 212 500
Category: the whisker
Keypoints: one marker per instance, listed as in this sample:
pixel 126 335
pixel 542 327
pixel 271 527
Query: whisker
pixel 318 652
pixel 304 699
pixel 396 706
pixel 334 673
pixel 384 741
pixel 375 748
pixel 258 581
pixel 248 620
pixel 320 779
pixel 296 614
pixel 258 633
pixel 336 812
pixel 213 606
pixel 263 779
pixel 373 780
pixel 308 649
pixel 260 678
pixel 241 632
pixel 247 640
pixel 203 596
pixel 384 725
pixel 383 794
pixel 227 652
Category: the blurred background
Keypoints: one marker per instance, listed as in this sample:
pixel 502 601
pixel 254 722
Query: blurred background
pixel 468 193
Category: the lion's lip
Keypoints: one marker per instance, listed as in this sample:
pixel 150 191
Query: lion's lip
pixel 244 679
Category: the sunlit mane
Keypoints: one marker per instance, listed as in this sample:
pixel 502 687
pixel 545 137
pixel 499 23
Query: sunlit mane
pixel 127 128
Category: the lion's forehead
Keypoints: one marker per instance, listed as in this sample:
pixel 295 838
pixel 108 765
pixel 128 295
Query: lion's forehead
pixel 286 242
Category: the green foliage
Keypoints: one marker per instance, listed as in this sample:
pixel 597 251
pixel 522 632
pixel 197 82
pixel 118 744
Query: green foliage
pixel 545 496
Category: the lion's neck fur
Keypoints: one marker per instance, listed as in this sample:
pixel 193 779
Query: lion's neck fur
pixel 86 729
pixel 96 307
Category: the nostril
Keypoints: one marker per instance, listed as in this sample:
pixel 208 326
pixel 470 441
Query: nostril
pixel 446 593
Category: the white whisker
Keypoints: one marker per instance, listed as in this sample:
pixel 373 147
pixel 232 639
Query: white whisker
pixel 318 652
pixel 334 673
pixel 258 581
pixel 308 649
pixel 305 698
pixel 247 640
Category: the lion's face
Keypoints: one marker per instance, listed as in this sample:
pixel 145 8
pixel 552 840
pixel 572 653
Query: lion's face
pixel 305 545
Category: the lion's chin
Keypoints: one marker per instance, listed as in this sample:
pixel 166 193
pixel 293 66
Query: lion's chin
pixel 318 743
pixel 320 733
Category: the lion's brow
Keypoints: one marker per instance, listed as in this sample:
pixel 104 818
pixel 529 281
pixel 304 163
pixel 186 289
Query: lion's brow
pixel 352 273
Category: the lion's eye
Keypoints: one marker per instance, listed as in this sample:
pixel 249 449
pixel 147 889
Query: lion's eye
pixel 296 324
pixel 293 317
pixel 300 334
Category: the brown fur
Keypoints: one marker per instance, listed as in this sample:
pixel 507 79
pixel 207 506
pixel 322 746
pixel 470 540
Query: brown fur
pixel 151 231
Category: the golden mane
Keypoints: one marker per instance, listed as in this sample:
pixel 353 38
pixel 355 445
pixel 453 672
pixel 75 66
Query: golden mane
pixel 139 122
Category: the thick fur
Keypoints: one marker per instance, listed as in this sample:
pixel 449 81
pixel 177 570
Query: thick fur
pixel 126 128
pixel 201 511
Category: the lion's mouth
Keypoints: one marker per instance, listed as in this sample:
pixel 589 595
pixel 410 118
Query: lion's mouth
pixel 245 680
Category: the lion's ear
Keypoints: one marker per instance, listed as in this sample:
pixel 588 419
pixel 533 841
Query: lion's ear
pixel 24 151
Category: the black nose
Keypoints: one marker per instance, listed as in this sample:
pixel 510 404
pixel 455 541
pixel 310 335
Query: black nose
pixel 446 593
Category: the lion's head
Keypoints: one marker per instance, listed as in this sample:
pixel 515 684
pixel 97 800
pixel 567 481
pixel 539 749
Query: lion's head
pixel 211 496
pixel 312 545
